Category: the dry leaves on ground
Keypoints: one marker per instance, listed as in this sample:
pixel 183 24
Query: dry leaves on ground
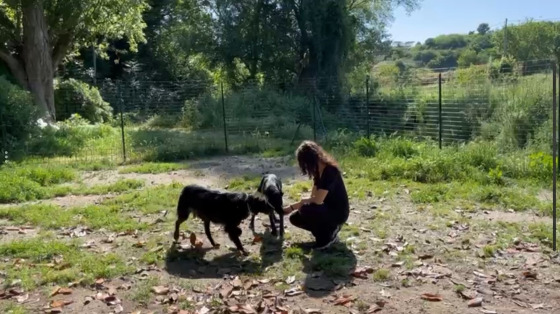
pixel 432 297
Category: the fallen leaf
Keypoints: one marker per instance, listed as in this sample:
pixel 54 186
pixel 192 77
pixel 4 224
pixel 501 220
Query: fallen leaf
pixel 226 291
pixel 485 311
pixel 99 281
pixel 361 272
pixel 257 239
pixel 479 274
pixel 54 291
pixel 468 295
pixel 118 309
pixel 203 310
pixel 431 297
pixel 475 302
pixel 378 306
pixel 537 306
pixel 60 303
pixel 425 256
pixel 530 274
pixel 139 244
pixel 160 290
pixel 344 300
pixel 55 310
pixel 312 311
pixel 198 244
pixel 22 298
pixel 237 283
pixel 290 280
pixel 65 291
pixel 293 291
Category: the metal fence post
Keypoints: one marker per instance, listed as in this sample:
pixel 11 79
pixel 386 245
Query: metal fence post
pixel 224 116
pixel 440 118
pixel 121 109
pixel 368 131
pixel 554 155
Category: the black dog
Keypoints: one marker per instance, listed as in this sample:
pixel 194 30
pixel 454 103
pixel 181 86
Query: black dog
pixel 271 187
pixel 225 208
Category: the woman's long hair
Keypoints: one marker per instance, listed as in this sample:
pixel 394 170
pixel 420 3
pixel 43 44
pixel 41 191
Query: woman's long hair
pixel 309 154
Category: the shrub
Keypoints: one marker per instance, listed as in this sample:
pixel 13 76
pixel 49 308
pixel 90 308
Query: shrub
pixel 72 96
pixel 366 147
pixel 18 122
pixel 71 137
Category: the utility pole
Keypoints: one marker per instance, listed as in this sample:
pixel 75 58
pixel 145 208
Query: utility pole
pixel 505 38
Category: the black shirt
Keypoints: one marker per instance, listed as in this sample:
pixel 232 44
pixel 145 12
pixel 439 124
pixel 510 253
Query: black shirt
pixel 336 200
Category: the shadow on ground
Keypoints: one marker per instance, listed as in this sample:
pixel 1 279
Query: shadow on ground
pixel 190 263
pixel 327 270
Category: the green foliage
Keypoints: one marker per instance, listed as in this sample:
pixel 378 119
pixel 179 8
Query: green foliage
pixel 467 58
pixel 530 40
pixel 70 139
pixel 18 120
pixel 72 96
pixel 366 147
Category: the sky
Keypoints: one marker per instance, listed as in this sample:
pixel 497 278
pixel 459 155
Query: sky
pixel 436 17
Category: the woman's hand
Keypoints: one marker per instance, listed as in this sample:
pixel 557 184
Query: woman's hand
pixel 288 209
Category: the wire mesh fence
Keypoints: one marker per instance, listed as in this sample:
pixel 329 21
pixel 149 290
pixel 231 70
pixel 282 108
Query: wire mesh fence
pixel 163 120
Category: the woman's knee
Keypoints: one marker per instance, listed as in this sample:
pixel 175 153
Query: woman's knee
pixel 295 219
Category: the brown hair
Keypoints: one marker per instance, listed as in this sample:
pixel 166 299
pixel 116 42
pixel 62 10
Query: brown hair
pixel 309 154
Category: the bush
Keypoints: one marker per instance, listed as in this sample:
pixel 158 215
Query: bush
pixel 72 96
pixel 71 137
pixel 18 122
pixel 366 147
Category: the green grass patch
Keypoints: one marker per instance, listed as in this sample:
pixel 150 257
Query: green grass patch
pixel 112 218
pixel 245 183
pixel 52 261
pixel 153 167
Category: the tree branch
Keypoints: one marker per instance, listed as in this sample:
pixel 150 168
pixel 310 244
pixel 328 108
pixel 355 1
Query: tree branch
pixel 16 68
pixel 60 48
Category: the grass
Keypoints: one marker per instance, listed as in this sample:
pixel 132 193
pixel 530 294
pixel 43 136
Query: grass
pixel 245 183
pixel 40 266
pixel 153 168
pixel 94 216
pixel 381 274
pixel 19 190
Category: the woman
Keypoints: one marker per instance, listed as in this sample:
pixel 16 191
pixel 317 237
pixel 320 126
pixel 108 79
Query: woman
pixel 327 209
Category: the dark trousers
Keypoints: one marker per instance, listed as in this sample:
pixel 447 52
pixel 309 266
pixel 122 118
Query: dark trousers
pixel 316 219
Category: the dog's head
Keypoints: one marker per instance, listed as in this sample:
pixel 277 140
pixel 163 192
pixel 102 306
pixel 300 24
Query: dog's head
pixel 258 203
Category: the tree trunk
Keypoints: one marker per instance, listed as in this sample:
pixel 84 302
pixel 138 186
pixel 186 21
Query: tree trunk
pixel 37 57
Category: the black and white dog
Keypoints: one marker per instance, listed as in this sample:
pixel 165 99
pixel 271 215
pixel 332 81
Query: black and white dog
pixel 271 187
pixel 224 208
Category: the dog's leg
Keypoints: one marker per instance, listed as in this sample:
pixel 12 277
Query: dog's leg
pixel 207 231
pixel 234 232
pixel 273 224
pixel 178 223
pixel 252 223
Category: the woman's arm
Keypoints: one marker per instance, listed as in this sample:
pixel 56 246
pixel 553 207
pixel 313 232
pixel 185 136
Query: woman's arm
pixel 317 197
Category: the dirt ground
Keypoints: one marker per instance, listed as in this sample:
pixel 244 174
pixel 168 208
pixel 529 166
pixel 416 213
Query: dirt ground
pixel 394 257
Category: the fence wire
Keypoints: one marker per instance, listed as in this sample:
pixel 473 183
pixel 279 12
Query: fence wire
pixel 165 121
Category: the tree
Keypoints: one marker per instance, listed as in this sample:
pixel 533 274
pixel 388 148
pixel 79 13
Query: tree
pixel 467 58
pixel 531 40
pixel 37 35
pixel 483 28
